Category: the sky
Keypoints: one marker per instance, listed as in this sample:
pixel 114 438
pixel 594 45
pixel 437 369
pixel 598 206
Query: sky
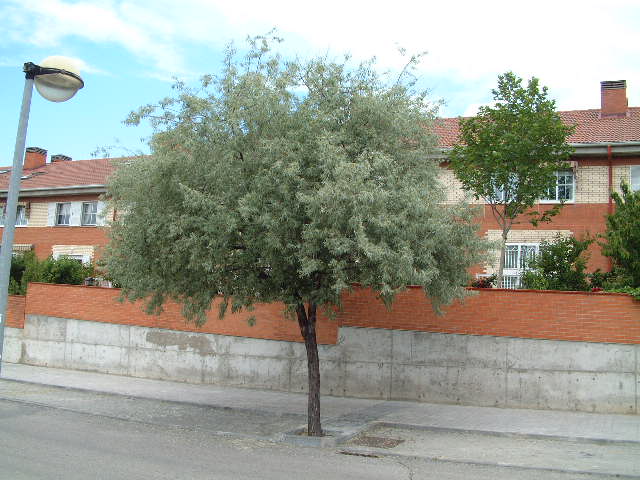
pixel 130 52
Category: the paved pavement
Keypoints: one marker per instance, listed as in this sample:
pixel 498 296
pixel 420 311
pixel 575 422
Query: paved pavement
pixel 275 415
pixel 339 411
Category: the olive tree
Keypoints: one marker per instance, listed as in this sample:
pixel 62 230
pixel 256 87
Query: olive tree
pixel 288 181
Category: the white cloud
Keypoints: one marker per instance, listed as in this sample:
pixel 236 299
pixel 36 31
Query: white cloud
pixel 569 45
pixel 99 22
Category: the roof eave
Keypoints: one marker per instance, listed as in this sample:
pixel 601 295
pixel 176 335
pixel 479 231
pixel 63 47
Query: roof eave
pixel 57 191
pixel 619 149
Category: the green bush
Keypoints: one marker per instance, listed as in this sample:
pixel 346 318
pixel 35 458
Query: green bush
pixel 633 291
pixel 560 265
pixel 27 268
pixel 622 238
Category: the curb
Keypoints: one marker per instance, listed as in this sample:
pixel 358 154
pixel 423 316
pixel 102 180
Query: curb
pixel 377 453
pixel 533 436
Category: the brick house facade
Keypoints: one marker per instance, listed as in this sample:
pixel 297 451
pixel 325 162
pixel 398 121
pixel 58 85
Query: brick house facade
pixel 60 211
pixel 606 152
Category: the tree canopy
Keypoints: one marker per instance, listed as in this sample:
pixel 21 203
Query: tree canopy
pixel 622 237
pixel 288 181
pixel 509 153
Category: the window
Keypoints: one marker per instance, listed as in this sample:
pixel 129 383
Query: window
pixel 21 215
pixel 516 258
pixel 499 194
pixel 564 188
pixel 89 213
pixel 63 213
pixel 635 178
pixel 77 258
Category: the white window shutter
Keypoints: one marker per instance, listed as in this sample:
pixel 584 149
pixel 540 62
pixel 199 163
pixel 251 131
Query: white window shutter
pixel 76 213
pixel 51 214
pixel 102 211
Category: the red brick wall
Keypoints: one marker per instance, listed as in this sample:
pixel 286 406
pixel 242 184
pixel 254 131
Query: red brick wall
pixel 15 311
pixel 101 305
pixel 581 218
pixel 44 238
pixel 578 316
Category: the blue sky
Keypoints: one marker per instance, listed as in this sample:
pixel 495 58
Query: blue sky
pixel 130 50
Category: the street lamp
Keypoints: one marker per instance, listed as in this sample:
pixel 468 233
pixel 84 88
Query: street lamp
pixel 57 79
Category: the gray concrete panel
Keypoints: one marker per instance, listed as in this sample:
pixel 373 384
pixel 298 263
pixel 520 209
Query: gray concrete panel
pixel 366 345
pixel 428 383
pixel 40 327
pixel 259 372
pixel 332 377
pixel 528 354
pixel 446 350
pixel 583 391
pixel 101 358
pixel 370 363
pixel 170 365
pixel 401 347
pixel 12 347
pixel 80 331
pixel 138 338
pixel 368 380
pixel 43 352
pixel 172 340
pixel 240 346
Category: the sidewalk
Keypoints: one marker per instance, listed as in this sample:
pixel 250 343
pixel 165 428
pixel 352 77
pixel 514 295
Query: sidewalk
pixel 349 414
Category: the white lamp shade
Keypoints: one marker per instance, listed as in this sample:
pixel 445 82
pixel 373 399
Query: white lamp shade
pixel 58 87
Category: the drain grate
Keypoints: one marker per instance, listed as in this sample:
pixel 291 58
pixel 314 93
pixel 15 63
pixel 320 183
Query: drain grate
pixel 376 442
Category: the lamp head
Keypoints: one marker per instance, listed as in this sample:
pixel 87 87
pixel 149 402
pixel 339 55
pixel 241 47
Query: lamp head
pixel 59 78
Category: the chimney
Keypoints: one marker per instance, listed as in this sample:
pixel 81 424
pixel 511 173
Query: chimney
pixel 60 158
pixel 34 158
pixel 613 99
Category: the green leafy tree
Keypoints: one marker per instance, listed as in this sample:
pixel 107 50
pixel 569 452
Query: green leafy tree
pixel 622 237
pixel 560 265
pixel 288 181
pixel 509 153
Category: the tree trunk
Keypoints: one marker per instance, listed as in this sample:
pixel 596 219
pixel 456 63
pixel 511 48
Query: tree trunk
pixel 500 275
pixel 307 322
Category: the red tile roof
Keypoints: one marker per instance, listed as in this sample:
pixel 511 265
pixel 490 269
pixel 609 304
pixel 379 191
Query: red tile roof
pixel 590 128
pixel 63 174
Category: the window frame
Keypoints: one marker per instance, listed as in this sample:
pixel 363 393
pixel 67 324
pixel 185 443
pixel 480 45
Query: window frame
pixel 557 186
pixel 635 187
pixel 59 206
pixel 21 216
pixel 514 274
pixel 499 196
pixel 94 203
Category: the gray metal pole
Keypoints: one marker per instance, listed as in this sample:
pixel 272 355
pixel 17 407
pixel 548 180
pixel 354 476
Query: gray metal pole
pixel 11 208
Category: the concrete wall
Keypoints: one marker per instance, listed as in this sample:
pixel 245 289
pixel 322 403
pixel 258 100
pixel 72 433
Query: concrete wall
pixel 366 362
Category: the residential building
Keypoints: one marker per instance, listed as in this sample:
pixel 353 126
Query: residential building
pixel 606 152
pixel 59 211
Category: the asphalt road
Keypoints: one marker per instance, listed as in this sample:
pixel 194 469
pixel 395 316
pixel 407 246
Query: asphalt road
pixel 50 442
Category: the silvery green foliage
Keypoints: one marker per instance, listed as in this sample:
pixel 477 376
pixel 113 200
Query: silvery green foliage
pixel 288 181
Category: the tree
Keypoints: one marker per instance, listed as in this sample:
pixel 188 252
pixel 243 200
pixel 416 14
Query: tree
pixel 622 237
pixel 560 265
pixel 288 181
pixel 510 152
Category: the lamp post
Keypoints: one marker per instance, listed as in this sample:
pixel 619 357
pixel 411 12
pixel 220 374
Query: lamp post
pixel 56 79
